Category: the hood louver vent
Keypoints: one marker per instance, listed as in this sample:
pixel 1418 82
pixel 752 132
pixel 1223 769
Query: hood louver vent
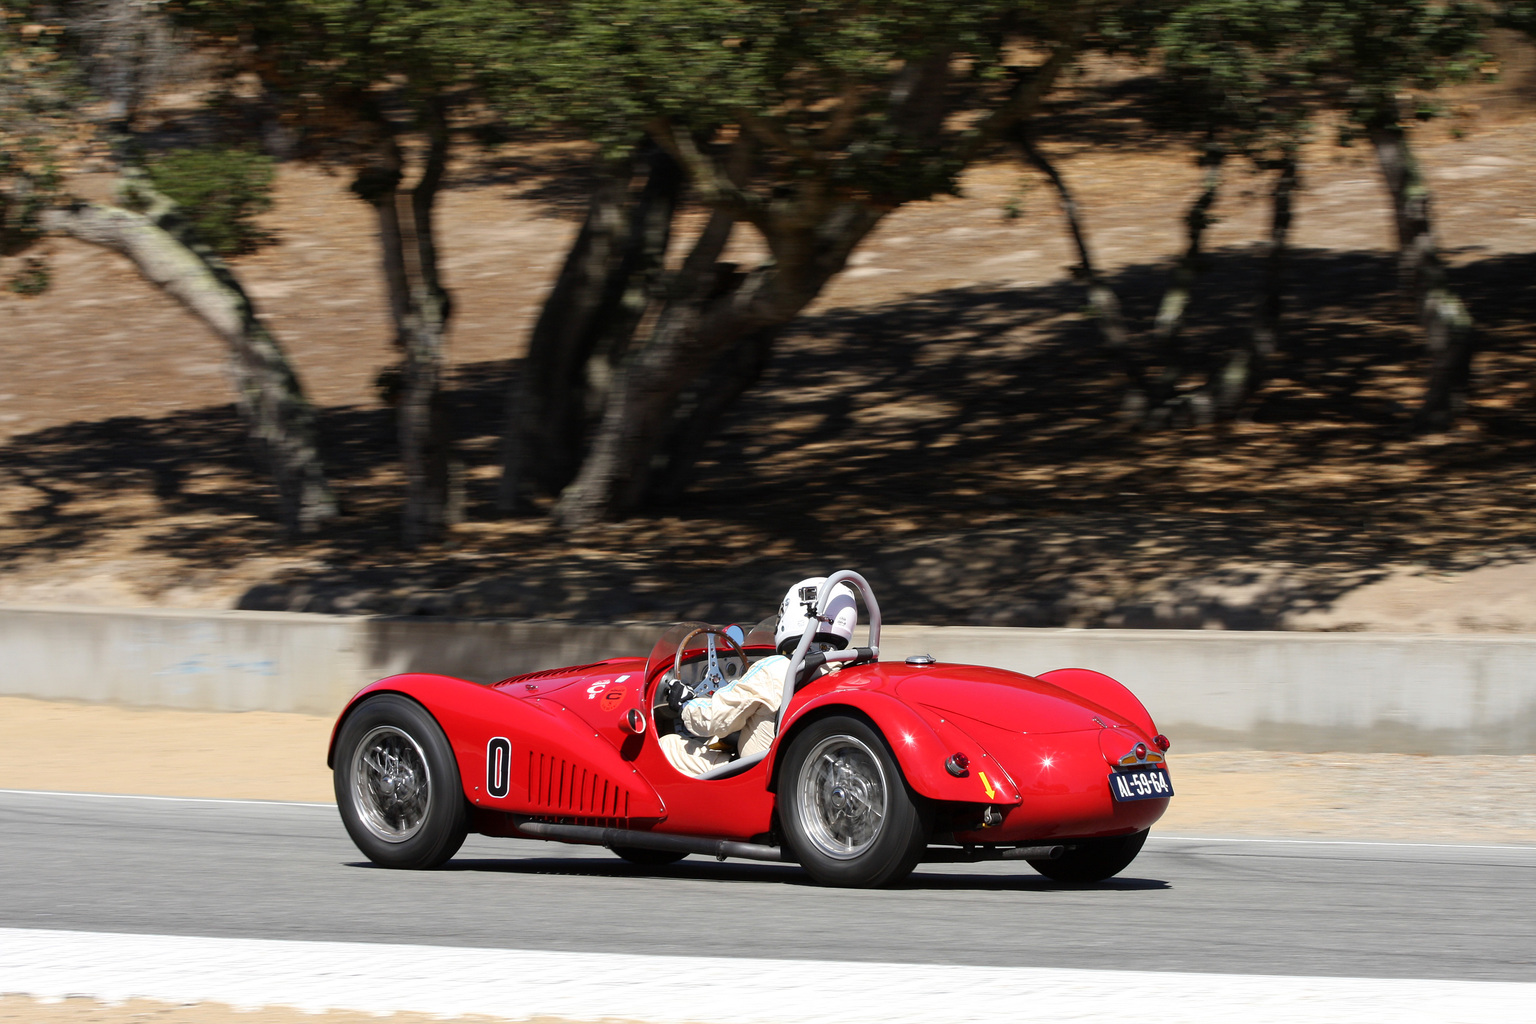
pixel 574 670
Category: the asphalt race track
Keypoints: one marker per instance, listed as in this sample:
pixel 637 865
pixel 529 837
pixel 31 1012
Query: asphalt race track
pixel 288 871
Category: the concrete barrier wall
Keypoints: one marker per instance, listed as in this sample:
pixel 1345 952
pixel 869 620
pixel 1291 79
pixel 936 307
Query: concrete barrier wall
pixel 1211 689
pixel 1206 689
pixel 272 661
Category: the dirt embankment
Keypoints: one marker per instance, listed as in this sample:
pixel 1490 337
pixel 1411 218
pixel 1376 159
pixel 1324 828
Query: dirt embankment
pixel 943 418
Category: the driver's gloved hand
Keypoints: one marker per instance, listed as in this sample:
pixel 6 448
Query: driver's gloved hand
pixel 677 693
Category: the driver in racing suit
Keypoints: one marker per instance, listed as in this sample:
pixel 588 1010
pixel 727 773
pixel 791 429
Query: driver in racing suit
pixel 749 706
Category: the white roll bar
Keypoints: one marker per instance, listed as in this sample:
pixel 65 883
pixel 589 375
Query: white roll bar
pixel 823 598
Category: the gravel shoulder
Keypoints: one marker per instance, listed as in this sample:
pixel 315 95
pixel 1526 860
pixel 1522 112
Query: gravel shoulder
pixel 47 745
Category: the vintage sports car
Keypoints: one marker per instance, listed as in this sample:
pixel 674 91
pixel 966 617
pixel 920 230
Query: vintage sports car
pixel 873 767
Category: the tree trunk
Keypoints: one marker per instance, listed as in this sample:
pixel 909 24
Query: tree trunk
pixel 809 248
pixel 1103 303
pixel 420 307
pixel 280 422
pixel 1175 302
pixel 810 233
pixel 701 406
pixel 541 436
pixel 1247 368
pixel 639 278
pixel 1446 322
pixel 634 416
pixel 608 279
pixel 1149 401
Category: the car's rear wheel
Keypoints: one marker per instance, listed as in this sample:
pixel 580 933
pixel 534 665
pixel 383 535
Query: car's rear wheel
pixel 648 858
pixel 1093 860
pixel 848 815
pixel 397 784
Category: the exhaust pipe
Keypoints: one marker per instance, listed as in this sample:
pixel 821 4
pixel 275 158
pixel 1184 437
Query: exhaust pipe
pixel 717 848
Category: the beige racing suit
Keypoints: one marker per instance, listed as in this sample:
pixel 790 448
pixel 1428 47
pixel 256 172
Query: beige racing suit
pixel 749 704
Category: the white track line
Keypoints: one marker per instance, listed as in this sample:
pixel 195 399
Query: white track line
pixel 516 984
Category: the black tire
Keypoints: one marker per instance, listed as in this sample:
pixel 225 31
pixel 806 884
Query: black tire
pixel 648 858
pixel 1093 860
pixel 397 784
pixel 837 839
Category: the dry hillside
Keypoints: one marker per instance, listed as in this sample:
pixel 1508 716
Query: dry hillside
pixel 942 418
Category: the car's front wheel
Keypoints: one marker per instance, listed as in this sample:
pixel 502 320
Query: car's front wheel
pixel 397 784
pixel 1093 860
pixel 848 815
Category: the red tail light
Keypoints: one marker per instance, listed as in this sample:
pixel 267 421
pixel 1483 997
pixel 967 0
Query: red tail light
pixel 957 764
pixel 1141 751
pixel 1161 741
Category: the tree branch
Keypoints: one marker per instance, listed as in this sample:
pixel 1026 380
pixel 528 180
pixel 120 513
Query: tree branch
pixel 1103 303
pixel 840 124
pixel 280 421
pixel 1027 93
pixel 715 186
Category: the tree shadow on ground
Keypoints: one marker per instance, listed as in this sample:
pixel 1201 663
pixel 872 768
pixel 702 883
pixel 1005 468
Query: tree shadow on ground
pixel 1114 112
pixel 964 448
pixel 555 172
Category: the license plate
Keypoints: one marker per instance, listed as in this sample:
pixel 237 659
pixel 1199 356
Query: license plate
pixel 1140 784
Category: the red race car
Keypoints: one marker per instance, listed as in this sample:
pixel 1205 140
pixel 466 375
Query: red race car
pixel 872 767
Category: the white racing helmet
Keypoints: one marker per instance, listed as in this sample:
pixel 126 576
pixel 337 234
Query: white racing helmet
pixel 799 606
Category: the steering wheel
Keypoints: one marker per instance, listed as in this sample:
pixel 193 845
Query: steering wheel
pixel 713 678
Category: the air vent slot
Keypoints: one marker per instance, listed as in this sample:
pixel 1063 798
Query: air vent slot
pixel 558 785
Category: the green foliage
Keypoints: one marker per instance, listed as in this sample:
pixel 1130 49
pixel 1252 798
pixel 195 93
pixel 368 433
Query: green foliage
pixel 816 90
pixel 611 69
pixel 1256 73
pixel 33 278
pixel 1516 14
pixel 222 189
pixel 342 63
pixel 1017 203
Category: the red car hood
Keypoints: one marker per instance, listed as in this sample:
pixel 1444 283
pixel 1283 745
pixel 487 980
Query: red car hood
pixel 1006 700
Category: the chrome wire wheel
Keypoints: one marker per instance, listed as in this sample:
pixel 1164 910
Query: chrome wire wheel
pixel 843 797
pixel 391 784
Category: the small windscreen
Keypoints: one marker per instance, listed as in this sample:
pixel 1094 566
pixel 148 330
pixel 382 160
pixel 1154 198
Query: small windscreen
pixel 664 653
pixel 665 649
pixel 762 634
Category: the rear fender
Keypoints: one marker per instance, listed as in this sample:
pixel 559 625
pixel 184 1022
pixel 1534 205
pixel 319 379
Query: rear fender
pixel 548 761
pixel 922 743
pixel 1105 692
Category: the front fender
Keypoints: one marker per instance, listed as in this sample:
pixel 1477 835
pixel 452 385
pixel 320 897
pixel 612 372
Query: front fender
pixel 922 742
pixel 552 763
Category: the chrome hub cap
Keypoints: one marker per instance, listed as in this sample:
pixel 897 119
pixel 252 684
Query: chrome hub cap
pixel 391 785
pixel 843 797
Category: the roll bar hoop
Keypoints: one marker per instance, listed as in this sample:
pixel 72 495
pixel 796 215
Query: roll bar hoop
pixel 823 598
